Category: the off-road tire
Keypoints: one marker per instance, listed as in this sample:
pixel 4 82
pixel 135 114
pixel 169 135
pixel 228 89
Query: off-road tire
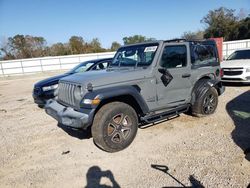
pixel 114 127
pixel 206 100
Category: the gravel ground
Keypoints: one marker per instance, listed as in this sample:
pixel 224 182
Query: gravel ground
pixel 184 151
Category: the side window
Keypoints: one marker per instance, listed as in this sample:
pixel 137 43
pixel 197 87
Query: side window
pixel 204 55
pixel 101 66
pixel 174 57
pixel 149 56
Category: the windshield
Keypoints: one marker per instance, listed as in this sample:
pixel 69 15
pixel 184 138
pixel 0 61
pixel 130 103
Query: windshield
pixel 138 55
pixel 82 67
pixel 242 54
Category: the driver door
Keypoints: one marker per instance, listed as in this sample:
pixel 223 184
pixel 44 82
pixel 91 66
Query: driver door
pixel 174 59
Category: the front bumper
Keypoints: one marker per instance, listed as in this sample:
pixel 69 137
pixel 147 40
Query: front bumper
pixel 39 101
pixel 66 115
pixel 40 97
pixel 237 80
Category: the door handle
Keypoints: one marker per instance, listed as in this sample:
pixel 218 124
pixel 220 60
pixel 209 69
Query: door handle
pixel 186 75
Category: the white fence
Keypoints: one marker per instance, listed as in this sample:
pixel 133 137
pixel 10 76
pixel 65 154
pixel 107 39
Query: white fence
pixel 34 65
pixel 230 46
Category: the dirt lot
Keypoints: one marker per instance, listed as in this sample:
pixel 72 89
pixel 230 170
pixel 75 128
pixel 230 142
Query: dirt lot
pixel 207 152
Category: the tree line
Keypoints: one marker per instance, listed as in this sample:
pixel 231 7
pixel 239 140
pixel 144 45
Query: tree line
pixel 27 46
pixel 221 22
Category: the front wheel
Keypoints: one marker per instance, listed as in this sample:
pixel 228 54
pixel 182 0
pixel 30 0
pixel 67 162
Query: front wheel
pixel 115 126
pixel 206 102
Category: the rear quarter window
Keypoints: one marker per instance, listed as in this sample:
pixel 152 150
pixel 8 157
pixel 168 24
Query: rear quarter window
pixel 204 55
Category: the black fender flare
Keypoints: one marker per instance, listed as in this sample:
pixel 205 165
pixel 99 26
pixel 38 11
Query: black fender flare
pixel 116 91
pixel 217 84
pixel 212 83
pixel 203 85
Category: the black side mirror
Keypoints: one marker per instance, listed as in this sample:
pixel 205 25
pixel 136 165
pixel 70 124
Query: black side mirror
pixel 166 76
pixel 162 70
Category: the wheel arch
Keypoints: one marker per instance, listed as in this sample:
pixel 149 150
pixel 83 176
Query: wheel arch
pixel 126 94
pixel 201 81
pixel 126 98
pixel 210 82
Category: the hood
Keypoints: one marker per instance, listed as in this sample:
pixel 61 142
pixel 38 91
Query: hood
pixel 51 81
pixel 107 77
pixel 236 63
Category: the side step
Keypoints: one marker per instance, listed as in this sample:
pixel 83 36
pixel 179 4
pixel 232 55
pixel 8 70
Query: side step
pixel 164 115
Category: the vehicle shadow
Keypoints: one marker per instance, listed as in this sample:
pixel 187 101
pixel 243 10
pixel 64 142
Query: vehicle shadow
pixel 78 133
pixel 239 110
pixel 94 176
pixel 194 182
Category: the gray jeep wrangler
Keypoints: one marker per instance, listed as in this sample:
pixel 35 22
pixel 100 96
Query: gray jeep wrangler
pixel 145 83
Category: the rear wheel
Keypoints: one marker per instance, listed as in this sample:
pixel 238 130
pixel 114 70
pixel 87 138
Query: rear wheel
pixel 206 101
pixel 115 126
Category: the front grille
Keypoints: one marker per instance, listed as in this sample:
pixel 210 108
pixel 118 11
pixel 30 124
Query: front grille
pixel 233 68
pixel 232 73
pixel 66 93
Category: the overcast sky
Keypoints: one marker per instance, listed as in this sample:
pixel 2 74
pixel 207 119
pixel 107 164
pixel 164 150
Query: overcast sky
pixel 108 20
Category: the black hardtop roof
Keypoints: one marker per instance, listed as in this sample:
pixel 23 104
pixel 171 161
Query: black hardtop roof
pixel 205 41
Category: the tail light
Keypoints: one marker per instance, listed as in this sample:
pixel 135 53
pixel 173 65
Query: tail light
pixel 221 73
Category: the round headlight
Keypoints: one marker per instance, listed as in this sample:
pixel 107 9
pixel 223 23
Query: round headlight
pixel 79 92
